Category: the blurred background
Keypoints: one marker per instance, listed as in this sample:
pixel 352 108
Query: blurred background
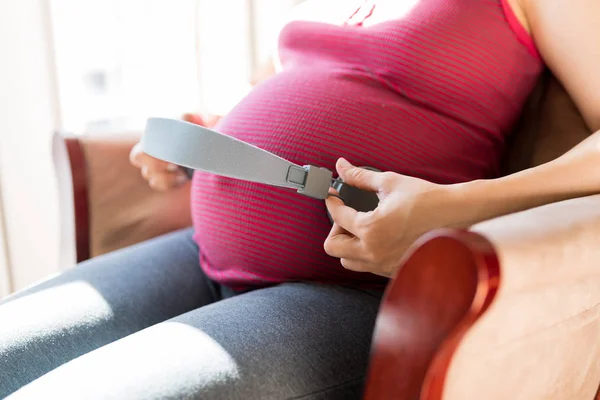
pixel 118 61
pixel 101 67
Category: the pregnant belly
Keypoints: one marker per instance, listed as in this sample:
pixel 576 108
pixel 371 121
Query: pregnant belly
pixel 251 234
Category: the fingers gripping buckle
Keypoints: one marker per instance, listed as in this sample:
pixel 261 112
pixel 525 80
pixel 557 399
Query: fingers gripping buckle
pixel 311 181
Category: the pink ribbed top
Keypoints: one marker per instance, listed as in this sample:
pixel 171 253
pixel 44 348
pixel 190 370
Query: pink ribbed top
pixel 432 93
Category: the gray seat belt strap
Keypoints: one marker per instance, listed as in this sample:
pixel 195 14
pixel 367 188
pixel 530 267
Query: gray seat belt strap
pixel 193 146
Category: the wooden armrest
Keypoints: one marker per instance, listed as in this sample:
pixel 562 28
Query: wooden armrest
pixel 540 338
pixel 114 206
pixel 508 310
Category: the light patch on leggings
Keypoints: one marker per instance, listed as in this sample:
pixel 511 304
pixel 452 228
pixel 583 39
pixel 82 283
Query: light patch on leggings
pixel 168 360
pixel 181 352
pixel 49 311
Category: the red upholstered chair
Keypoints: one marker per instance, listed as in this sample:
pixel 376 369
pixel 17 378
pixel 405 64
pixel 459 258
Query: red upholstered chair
pixel 508 309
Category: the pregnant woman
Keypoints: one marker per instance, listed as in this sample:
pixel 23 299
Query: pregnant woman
pixel 264 298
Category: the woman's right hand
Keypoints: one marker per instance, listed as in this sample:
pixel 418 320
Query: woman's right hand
pixel 159 174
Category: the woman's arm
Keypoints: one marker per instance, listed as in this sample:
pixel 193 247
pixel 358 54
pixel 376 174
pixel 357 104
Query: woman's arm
pixel 575 174
pixel 567 33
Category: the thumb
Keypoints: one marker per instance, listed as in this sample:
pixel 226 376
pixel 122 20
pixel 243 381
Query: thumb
pixel 359 177
pixel 135 155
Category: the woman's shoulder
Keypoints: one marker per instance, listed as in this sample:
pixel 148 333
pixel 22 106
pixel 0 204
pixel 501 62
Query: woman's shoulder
pixel 518 9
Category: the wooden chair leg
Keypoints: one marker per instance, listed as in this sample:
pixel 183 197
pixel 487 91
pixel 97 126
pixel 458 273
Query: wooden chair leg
pixel 80 197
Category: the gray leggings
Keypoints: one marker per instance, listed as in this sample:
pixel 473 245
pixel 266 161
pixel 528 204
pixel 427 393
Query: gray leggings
pixel 146 323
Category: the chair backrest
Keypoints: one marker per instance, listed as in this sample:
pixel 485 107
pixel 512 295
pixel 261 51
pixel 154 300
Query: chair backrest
pixel 550 125
pixel 113 206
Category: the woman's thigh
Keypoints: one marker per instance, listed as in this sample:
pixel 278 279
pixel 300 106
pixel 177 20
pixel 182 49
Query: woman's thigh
pixel 96 303
pixel 293 341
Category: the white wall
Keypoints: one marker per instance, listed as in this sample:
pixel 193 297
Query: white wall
pixel 28 116
pixel 5 276
pixel 120 61
pixel 235 38
pixel 270 16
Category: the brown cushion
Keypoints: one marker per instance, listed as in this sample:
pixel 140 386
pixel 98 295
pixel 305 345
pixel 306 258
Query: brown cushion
pixel 550 126
pixel 123 210
pixel 561 126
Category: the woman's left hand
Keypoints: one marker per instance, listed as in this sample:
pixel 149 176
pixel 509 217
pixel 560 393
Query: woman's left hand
pixel 376 241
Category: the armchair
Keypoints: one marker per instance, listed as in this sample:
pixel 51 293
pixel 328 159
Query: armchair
pixel 509 309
